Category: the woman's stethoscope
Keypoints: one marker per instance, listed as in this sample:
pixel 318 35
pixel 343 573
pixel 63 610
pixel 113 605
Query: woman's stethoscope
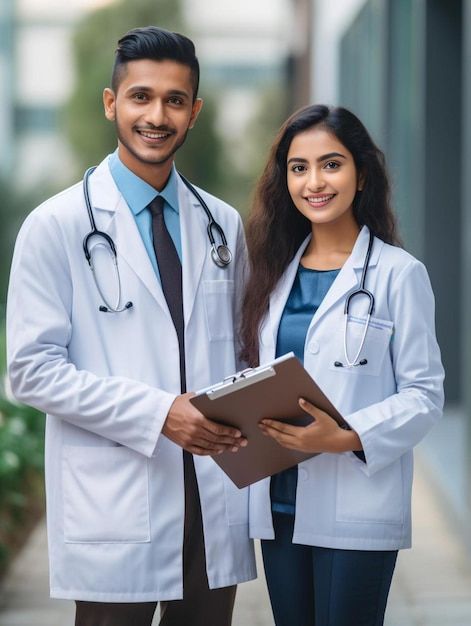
pixel 361 291
pixel 220 254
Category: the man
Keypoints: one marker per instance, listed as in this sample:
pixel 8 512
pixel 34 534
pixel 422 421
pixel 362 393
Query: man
pixel 109 353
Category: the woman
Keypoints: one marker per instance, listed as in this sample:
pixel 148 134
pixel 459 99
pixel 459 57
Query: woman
pixel 331 528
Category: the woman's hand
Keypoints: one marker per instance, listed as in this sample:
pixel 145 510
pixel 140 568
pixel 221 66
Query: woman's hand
pixel 323 435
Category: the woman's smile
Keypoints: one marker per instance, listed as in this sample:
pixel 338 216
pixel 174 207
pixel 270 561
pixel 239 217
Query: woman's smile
pixel 319 201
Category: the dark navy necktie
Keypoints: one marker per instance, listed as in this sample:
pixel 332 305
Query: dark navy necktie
pixel 170 270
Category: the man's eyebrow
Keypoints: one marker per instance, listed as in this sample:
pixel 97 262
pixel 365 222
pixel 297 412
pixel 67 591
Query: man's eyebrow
pixel 138 88
pixel 147 89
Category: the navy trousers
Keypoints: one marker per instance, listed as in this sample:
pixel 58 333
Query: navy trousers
pixel 312 586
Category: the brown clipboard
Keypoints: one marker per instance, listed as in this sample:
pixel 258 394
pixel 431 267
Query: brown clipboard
pixel 271 390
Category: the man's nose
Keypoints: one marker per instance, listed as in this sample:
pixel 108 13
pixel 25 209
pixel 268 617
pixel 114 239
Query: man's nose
pixel 156 113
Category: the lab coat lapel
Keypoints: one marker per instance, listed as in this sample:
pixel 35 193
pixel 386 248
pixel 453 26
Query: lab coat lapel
pixel 195 245
pixel 350 274
pixel 121 226
pixel 278 299
pixel 347 279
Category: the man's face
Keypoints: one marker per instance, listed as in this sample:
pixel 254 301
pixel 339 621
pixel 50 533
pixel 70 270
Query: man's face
pixel 153 109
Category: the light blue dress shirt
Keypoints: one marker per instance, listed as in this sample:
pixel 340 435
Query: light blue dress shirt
pixel 138 194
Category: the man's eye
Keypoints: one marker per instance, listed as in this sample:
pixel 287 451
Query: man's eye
pixel 140 96
pixel 175 100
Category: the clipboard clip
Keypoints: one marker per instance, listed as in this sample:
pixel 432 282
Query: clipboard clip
pixel 235 377
pixel 239 380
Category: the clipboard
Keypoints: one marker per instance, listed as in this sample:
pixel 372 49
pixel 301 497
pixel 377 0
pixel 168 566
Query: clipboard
pixel 242 400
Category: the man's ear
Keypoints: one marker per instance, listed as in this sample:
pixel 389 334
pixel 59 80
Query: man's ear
pixel 197 106
pixel 109 103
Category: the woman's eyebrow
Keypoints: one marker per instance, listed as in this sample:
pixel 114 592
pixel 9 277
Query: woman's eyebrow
pixel 324 157
pixel 331 155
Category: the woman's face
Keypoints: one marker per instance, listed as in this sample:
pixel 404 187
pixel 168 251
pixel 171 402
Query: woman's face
pixel 322 177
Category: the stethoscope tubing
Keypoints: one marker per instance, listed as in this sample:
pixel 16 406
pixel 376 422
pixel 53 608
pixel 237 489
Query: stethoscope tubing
pixel 221 255
pixel 357 292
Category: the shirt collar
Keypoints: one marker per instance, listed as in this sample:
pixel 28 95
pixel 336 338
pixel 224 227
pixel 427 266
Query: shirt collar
pixel 137 193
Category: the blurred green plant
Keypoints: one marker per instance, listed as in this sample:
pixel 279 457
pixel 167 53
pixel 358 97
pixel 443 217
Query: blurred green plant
pixel 90 134
pixel 267 119
pixel 13 208
pixel 21 469
pixel 21 465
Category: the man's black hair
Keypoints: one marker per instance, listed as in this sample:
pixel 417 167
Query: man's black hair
pixel 157 44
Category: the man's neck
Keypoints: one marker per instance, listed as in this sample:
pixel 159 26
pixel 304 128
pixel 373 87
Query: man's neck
pixel 155 175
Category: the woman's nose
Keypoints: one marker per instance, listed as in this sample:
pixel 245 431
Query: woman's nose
pixel 316 180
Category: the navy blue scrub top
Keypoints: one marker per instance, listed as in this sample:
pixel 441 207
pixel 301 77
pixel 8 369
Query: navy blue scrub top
pixel 308 291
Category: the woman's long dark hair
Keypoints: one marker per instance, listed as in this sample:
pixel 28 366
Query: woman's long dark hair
pixel 276 229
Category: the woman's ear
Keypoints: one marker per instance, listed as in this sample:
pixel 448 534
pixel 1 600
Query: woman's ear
pixel 361 182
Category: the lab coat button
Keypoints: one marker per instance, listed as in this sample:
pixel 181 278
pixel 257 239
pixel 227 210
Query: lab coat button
pixel 314 347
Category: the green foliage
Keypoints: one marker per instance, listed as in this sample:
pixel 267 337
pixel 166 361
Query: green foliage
pixel 21 464
pixel 13 208
pixel 261 131
pixel 90 134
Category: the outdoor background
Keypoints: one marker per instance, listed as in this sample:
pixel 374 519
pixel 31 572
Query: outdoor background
pixel 402 65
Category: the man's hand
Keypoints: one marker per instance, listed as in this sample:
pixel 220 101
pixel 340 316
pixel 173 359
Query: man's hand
pixel 190 429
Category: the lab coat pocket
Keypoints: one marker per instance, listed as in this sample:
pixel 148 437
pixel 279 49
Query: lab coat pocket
pixel 237 503
pixel 106 497
pixel 374 349
pixel 376 499
pixel 218 304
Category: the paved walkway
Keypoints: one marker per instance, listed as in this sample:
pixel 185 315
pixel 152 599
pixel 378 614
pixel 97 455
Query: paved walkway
pixel 432 584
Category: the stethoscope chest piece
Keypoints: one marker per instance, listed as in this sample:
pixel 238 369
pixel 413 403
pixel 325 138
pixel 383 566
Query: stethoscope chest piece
pixel 221 255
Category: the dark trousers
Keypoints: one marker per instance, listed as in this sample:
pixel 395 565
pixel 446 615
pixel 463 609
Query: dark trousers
pixel 311 586
pixel 200 606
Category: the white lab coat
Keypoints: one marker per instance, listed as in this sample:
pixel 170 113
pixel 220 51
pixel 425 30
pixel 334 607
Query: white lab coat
pixel 115 498
pixel 392 402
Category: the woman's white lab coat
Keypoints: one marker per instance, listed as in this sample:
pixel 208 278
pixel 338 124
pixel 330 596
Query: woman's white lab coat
pixel 391 402
pixel 115 498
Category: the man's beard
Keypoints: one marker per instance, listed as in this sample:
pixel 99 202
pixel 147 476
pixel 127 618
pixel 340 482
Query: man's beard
pixel 136 155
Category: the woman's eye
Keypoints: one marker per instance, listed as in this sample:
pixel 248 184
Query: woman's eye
pixel 331 165
pixel 297 169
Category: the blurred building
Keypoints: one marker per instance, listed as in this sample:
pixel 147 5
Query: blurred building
pixel 244 48
pixel 249 52
pixel 36 77
pixel 404 67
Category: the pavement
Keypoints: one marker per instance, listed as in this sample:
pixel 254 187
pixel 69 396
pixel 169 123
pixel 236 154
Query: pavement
pixel 431 586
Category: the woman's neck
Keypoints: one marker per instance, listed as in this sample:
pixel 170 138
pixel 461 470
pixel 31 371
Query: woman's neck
pixel 330 245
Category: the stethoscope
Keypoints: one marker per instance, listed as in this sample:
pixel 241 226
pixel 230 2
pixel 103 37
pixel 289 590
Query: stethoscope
pixel 361 291
pixel 220 254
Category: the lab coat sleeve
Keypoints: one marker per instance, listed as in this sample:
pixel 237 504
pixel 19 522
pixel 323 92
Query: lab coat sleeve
pixel 390 428
pixel 39 328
